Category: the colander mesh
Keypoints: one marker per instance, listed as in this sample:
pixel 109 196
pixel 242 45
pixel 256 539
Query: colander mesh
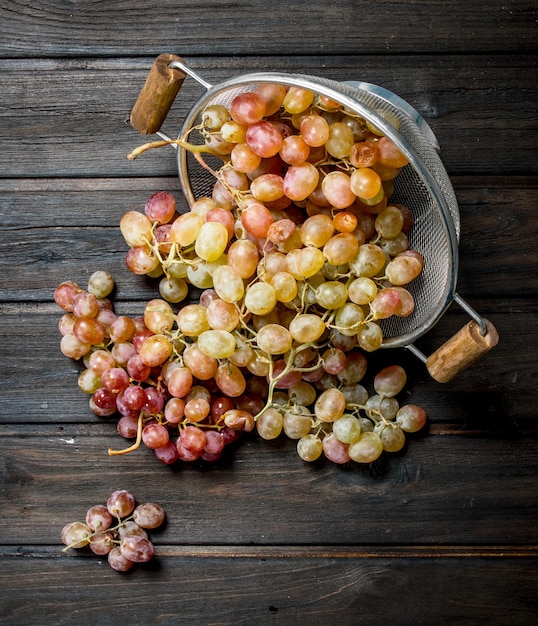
pixel 430 197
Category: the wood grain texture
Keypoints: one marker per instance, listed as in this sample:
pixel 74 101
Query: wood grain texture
pixel 109 28
pixel 260 590
pixel 441 490
pixel 443 532
pixel 471 103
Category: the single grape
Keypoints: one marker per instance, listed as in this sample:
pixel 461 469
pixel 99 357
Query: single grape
pixel 347 428
pixel 102 543
pixel 247 108
pixel 115 379
pixel 411 418
pixel 270 423
pixel 118 561
pixel 392 437
pixel 274 339
pixel 180 382
pixel 136 228
pixel 330 405
pixel 196 409
pixel 217 344
pixel 149 515
pixel 65 293
pixel 238 419
pixel 167 454
pixel 390 381
pixel 98 518
pixel 160 207
pixel 89 381
pixel 264 138
pixel 228 284
pixel 366 449
pixel 127 426
pixel 309 448
pixel 120 503
pixel 297 423
pixel 192 438
pixel 336 187
pixel 155 435
pixel 211 241
pixel 335 450
pixel 76 534
pixel 100 284
pixel 260 298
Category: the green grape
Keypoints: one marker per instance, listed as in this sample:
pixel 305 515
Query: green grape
pixel 309 448
pixel 347 428
pixel 366 449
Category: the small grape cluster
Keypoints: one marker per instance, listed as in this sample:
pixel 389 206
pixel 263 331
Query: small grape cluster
pixel 117 530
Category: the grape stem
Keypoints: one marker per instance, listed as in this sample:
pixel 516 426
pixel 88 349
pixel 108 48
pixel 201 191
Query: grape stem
pixel 136 444
pixel 121 522
pixel 194 149
pixel 289 365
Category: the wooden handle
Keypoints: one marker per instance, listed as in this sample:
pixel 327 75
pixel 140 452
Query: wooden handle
pixel 461 350
pixel 157 95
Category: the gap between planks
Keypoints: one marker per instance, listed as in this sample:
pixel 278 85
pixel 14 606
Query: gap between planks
pixel 302 552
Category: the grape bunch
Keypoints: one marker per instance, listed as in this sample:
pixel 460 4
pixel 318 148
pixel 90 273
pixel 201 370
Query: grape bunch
pixel 117 530
pixel 299 222
pixel 282 276
pixel 186 385
pixel 137 368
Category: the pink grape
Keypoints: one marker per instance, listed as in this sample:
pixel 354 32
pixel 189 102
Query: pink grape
pixel 127 426
pixel 120 503
pixel 257 219
pixel 118 561
pixel 192 438
pixel 115 379
pixel 264 139
pixel 65 293
pixel 168 453
pixel 98 517
pixel 247 108
pixel 335 450
pixel 155 435
pixel 102 543
pixel 149 515
pixel 160 207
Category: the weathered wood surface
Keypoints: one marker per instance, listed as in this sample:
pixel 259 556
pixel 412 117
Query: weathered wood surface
pixel 227 27
pixel 69 117
pixel 444 532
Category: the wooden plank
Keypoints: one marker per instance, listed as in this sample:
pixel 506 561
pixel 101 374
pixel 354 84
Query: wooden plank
pixel 449 490
pixel 54 28
pixel 63 118
pixel 67 228
pixel 227 591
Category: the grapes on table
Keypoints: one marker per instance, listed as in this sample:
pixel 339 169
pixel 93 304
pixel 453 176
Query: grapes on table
pixel 296 255
pixel 117 530
pixel 187 384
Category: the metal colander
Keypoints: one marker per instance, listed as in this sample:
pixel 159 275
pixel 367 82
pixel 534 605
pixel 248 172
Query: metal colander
pixel 423 186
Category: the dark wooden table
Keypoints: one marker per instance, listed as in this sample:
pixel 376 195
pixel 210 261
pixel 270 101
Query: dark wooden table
pixel 445 532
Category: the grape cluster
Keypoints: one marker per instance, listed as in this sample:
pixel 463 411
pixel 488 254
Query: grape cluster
pixel 117 530
pixel 184 392
pixel 299 223
pixel 296 258
pixel 138 368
